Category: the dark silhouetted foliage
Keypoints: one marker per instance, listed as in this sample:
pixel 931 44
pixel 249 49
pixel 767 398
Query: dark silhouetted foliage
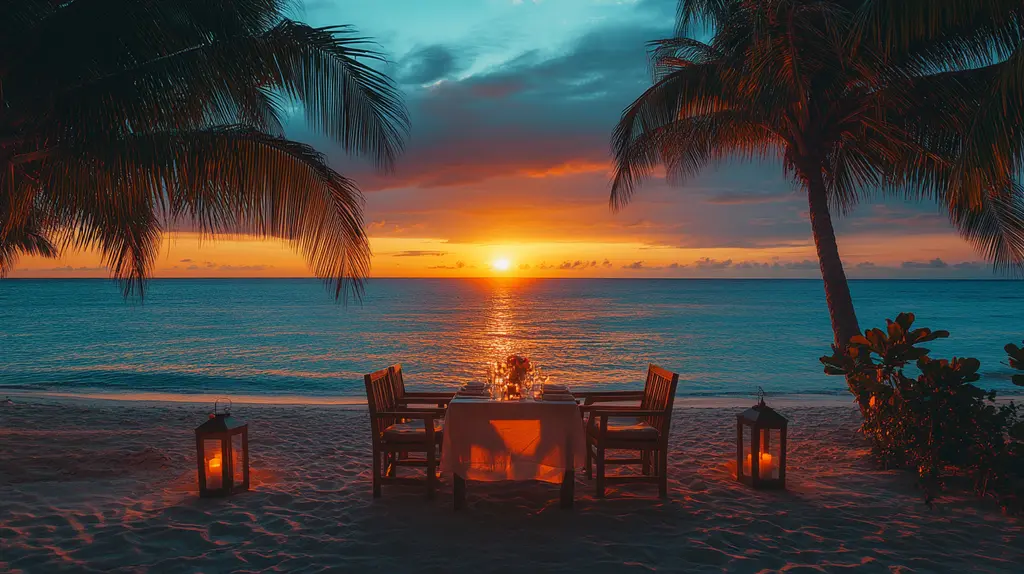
pixel 121 120
pixel 937 421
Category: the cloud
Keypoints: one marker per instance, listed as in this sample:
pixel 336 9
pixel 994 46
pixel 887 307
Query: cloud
pixel 745 198
pixel 866 265
pixel 427 65
pixel 458 265
pixel 524 266
pixel 537 112
pixel 577 265
pixel 805 264
pixel 970 266
pixel 418 253
pixel 640 265
pixel 933 264
pixel 193 267
pixel 606 264
pixel 752 265
pixel 69 268
pixel 708 263
pixel 185 261
pixel 245 267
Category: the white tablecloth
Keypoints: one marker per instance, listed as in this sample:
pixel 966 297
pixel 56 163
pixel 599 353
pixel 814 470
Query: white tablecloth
pixel 512 440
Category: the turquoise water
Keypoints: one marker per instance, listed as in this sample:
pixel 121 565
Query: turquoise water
pixel 287 336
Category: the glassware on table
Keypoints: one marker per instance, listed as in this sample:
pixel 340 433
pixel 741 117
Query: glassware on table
pixel 526 393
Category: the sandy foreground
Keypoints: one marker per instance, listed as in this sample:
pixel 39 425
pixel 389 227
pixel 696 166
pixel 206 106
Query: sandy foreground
pixel 109 486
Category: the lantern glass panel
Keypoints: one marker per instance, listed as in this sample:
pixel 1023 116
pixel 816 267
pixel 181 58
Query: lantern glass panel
pixel 238 461
pixel 213 463
pixel 771 453
pixel 746 449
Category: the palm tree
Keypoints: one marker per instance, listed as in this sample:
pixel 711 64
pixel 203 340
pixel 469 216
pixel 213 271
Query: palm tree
pixel 908 98
pixel 123 119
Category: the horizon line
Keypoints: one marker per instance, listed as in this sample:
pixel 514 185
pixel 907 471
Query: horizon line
pixel 518 277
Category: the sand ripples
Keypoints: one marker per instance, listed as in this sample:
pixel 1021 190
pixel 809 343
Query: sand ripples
pixel 111 489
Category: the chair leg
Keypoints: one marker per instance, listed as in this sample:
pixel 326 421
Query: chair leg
pixel 645 461
pixel 590 463
pixel 663 472
pixel 431 471
pixel 376 473
pixel 600 471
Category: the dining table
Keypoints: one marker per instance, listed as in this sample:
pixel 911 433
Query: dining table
pixel 490 440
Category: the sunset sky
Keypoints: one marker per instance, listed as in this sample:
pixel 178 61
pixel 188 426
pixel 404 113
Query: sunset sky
pixel 512 105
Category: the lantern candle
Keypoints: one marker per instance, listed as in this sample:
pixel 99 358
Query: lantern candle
pixel 214 472
pixel 765 468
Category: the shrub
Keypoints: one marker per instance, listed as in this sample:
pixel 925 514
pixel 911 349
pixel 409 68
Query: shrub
pixel 937 420
pixel 1017 362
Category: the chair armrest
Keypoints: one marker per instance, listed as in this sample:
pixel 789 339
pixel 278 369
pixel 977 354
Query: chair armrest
pixel 592 397
pixel 418 400
pixel 627 412
pixel 418 414
pixel 428 394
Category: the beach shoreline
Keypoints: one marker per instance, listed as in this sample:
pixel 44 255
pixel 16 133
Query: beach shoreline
pixel 355 402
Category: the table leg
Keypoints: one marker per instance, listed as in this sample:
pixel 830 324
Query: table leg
pixel 568 487
pixel 460 492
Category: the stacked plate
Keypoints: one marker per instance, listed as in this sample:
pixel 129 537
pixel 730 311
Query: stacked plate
pixel 474 389
pixel 556 393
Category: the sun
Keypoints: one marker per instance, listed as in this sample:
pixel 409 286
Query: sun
pixel 501 264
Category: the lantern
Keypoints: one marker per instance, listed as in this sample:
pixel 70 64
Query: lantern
pixel 761 446
pixel 222 453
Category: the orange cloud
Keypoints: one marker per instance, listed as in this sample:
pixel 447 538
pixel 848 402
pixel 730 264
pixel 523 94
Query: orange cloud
pixel 568 168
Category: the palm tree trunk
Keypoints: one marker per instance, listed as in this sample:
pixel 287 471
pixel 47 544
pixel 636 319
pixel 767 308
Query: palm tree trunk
pixel 837 289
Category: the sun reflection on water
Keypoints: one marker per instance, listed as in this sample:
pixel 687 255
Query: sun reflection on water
pixel 501 328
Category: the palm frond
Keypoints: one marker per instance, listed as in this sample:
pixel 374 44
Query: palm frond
pixel 170 113
pixel 995 227
pixel 219 180
pixel 691 91
pixel 961 34
pixel 343 96
pixel 29 238
pixel 693 16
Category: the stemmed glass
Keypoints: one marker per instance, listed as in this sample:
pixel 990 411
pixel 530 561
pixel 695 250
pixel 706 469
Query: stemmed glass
pixel 527 386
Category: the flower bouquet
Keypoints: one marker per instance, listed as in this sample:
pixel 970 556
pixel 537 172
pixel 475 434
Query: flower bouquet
pixel 507 377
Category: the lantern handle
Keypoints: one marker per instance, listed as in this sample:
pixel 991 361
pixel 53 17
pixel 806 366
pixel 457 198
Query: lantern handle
pixel 760 396
pixel 227 406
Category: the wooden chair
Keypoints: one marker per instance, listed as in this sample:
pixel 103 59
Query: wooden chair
pixel 399 430
pixel 440 398
pixel 642 428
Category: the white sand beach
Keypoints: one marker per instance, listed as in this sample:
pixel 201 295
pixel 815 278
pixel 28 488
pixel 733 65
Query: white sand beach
pixel 105 486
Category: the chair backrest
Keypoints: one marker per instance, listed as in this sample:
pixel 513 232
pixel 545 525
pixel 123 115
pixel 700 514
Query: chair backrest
pixel 659 394
pixel 380 397
pixel 397 380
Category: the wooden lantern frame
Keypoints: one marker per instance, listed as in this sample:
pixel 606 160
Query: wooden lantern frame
pixel 222 427
pixel 760 419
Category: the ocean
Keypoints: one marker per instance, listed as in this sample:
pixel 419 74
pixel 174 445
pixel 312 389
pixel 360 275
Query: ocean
pixel 289 337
